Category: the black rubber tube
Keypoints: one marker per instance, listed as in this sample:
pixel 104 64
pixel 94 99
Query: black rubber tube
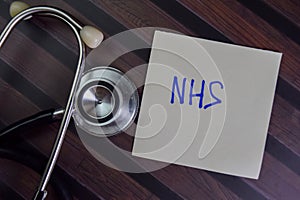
pixel 35 164
pixel 43 115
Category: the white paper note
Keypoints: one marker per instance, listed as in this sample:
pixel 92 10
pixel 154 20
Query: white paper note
pixel 206 104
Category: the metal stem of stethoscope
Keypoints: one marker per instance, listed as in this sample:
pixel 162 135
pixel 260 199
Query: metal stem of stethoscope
pixel 102 100
pixel 41 192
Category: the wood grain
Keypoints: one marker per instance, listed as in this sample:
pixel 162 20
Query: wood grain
pixel 285 124
pixel 289 9
pixel 14 105
pixel 51 72
pixel 243 27
pixel 21 179
pixel 85 168
pixel 276 180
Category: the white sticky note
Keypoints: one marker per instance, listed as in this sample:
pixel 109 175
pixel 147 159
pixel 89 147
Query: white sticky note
pixel 206 104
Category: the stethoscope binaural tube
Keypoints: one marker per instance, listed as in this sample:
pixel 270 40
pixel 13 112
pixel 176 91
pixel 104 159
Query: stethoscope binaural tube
pixel 54 12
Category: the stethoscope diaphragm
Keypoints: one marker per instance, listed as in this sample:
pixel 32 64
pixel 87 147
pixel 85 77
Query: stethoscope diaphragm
pixel 106 102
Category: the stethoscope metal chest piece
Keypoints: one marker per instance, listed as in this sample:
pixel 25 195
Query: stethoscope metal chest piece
pixel 103 101
pixel 106 102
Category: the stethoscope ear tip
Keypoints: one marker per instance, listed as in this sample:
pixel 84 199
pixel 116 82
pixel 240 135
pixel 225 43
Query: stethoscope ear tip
pixel 16 7
pixel 91 36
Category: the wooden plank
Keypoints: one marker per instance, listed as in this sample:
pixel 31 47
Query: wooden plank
pixel 121 189
pixel 291 128
pixel 288 8
pixel 51 74
pixel 133 14
pixel 153 198
pixel 121 16
pixel 245 28
pixel 276 180
pixel 74 155
pixel 21 179
pixel 285 124
pixel 66 38
pixel 193 183
pixel 14 106
pixel 129 8
pixel 79 163
pixel 185 191
pixel 124 63
pixel 67 162
pixel 7 193
pixel 57 29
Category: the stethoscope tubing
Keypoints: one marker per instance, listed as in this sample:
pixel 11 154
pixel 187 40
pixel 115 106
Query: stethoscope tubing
pixel 34 163
pixel 54 12
pixel 45 115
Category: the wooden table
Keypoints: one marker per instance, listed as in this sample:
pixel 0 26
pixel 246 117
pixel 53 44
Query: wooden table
pixel 37 65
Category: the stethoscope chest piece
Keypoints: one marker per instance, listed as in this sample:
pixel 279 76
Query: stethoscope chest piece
pixel 106 102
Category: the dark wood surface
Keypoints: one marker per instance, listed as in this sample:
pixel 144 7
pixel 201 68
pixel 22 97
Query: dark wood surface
pixel 36 69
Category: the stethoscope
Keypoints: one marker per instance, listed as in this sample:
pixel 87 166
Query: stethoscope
pixel 102 100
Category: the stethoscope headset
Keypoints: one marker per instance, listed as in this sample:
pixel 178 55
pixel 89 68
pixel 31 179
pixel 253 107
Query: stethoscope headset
pixel 102 100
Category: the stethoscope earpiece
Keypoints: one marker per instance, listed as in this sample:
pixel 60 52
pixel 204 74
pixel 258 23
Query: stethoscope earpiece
pixel 103 102
pixel 90 35
pixel 16 7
